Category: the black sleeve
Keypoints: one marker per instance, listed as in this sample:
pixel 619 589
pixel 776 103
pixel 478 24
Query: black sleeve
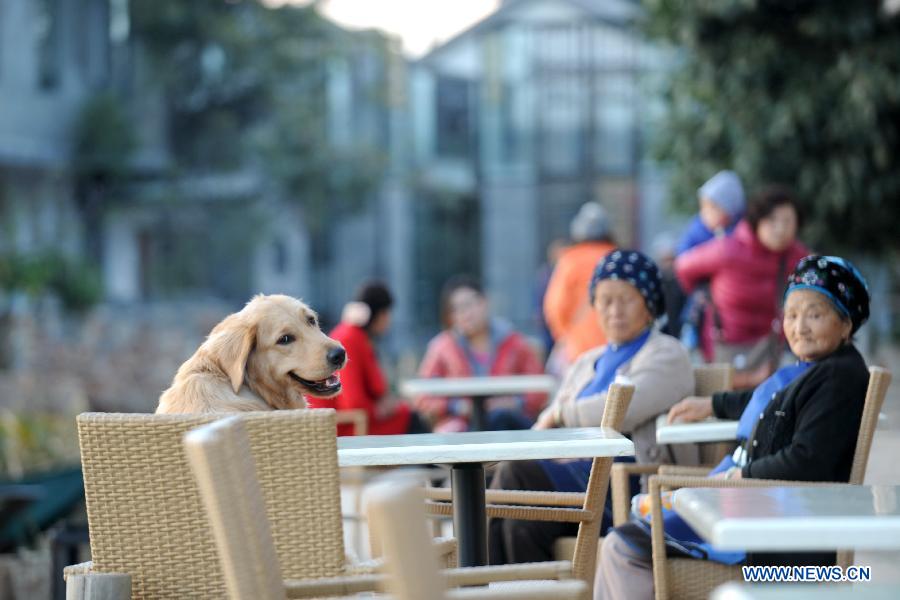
pixel 823 431
pixel 730 405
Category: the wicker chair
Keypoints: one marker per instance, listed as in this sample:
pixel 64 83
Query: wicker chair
pixel 586 509
pixel 688 579
pixel 144 510
pixel 219 455
pixel 708 379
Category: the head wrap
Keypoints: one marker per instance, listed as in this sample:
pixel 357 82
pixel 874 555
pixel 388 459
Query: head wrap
pixel 637 269
pixel 838 280
pixel 725 189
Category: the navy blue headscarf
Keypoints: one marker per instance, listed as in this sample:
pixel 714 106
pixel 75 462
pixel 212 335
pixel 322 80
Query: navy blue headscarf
pixel 836 279
pixel 637 269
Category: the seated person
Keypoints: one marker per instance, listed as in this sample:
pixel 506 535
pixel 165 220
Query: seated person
pixel 363 383
pixel 800 424
pixel 474 344
pixel 626 297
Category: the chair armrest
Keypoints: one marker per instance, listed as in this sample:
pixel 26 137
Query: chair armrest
pixel 470 576
pixel 621 491
pixel 522 513
pixel 685 471
pixel 334 586
pixel 552 570
pixel 519 497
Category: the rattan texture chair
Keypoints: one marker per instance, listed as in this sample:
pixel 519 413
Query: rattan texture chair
pixel 413 571
pixel 586 508
pixel 688 579
pixel 708 379
pixel 146 518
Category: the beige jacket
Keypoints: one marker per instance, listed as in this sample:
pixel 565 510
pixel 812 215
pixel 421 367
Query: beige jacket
pixel 662 375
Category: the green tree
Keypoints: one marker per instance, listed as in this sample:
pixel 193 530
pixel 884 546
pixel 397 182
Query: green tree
pixel 247 86
pixel 804 92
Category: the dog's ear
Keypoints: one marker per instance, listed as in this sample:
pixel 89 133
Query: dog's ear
pixel 230 344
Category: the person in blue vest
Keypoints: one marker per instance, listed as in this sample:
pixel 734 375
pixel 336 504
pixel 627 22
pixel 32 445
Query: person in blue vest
pixel 626 299
pixel 800 424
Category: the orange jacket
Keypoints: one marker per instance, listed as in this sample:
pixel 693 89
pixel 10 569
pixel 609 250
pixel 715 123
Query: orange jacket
pixel 566 307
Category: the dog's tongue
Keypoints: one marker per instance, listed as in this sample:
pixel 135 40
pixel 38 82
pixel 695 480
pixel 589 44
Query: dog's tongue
pixel 332 381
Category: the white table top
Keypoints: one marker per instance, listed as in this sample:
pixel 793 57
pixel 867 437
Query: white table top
pixel 478 386
pixel 481 446
pixel 775 519
pixel 711 430
pixel 803 591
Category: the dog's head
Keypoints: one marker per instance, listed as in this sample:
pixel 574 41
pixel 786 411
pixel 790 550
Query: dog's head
pixel 275 346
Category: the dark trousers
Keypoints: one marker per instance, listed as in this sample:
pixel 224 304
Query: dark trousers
pixel 516 541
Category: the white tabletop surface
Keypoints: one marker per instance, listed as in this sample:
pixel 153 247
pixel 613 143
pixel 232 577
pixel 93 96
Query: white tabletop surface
pixel 774 519
pixel 478 386
pixel 711 430
pixel 803 591
pixel 481 446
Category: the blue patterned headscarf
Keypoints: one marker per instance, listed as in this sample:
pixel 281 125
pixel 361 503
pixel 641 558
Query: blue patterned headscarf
pixel 836 279
pixel 637 269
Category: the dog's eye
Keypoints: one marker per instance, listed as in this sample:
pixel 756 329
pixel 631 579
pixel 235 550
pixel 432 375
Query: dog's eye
pixel 311 321
pixel 285 340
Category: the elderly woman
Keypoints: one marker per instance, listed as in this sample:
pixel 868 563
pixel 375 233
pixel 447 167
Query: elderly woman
pixel 626 297
pixel 799 424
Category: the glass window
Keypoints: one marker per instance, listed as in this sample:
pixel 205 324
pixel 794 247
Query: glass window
pixel 46 35
pixel 454 115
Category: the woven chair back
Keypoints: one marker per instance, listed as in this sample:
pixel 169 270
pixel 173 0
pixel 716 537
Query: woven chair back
pixel 146 517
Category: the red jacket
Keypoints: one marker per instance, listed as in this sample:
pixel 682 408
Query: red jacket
pixel 743 277
pixel 446 358
pixel 567 307
pixel 363 384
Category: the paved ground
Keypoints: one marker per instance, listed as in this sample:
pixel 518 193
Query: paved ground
pixel 884 464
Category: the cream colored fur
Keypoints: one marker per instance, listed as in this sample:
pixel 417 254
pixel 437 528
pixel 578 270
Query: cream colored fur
pixel 242 367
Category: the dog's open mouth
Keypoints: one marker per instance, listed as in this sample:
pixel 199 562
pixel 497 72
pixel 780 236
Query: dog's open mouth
pixel 323 387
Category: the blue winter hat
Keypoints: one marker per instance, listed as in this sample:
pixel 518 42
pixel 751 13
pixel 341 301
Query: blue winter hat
pixel 725 189
pixel 836 279
pixel 637 269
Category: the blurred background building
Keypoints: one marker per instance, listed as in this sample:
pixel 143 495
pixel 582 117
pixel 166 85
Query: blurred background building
pixel 152 156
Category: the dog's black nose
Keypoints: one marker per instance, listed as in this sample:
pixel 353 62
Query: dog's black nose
pixel 336 356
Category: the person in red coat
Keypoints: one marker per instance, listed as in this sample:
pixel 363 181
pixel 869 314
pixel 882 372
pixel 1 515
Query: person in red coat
pixel 474 344
pixel 363 382
pixel 747 272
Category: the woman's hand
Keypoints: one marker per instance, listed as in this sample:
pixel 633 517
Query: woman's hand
pixel 692 408
pixel 547 419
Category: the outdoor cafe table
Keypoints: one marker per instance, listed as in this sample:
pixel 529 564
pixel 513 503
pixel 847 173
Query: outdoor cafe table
pixel 466 453
pixel 710 430
pixel 794 518
pixel 479 389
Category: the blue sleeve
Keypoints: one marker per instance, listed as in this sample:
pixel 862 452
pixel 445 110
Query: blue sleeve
pixel 695 234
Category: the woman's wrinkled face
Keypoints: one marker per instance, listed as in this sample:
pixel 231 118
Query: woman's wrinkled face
pixel 621 310
pixel 778 229
pixel 468 311
pixel 813 327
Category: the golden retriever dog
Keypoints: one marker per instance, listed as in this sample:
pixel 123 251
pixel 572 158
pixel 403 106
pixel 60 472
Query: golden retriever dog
pixel 265 357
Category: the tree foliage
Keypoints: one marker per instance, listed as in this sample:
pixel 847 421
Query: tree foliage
pixel 248 87
pixel 804 92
